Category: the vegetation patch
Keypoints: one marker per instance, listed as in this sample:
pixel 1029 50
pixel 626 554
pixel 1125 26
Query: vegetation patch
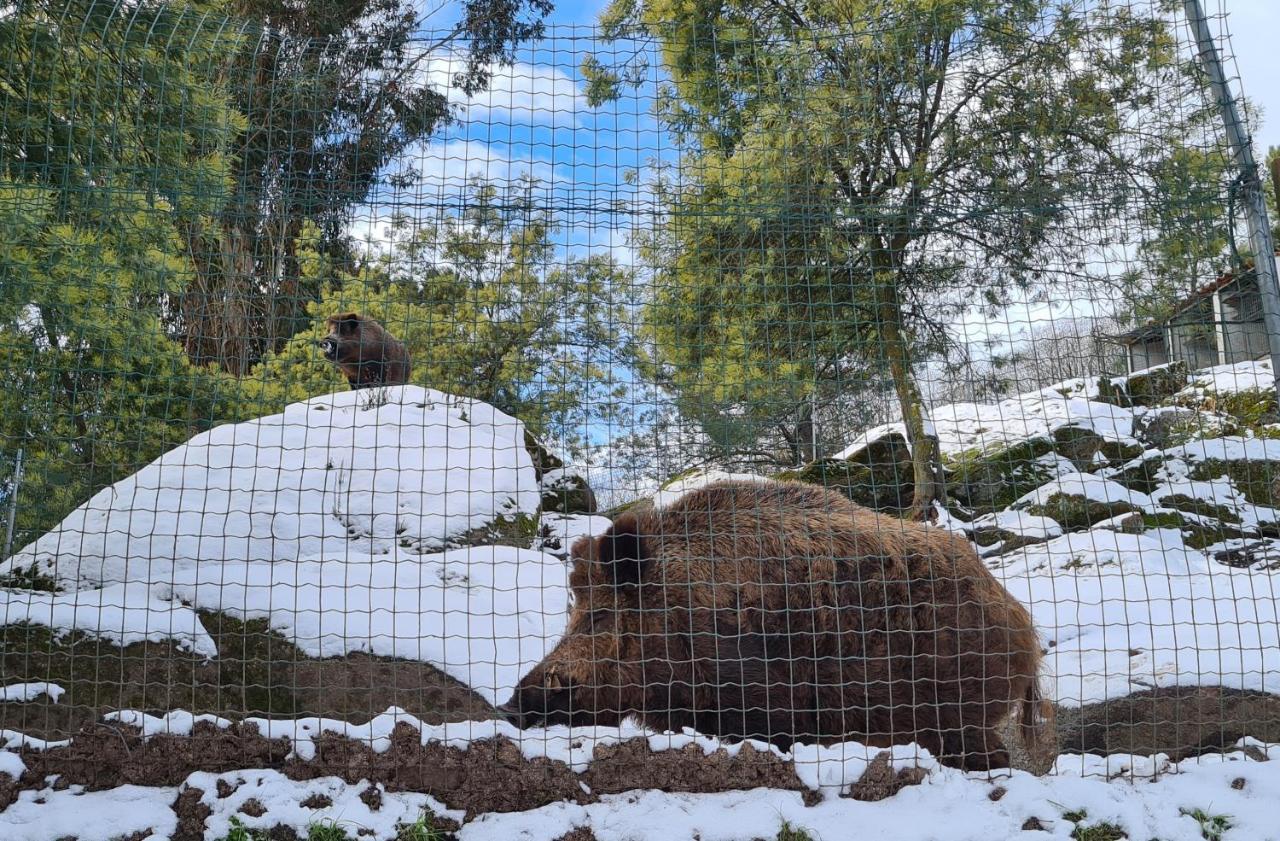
pixel 1258 480
pixel 1212 827
pixel 1191 505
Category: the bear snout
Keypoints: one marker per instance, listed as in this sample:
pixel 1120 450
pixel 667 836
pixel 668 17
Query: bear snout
pixel 534 706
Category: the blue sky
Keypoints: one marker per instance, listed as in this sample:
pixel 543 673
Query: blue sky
pixel 1255 46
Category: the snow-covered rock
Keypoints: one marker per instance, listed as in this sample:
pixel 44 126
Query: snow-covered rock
pixel 120 613
pixel 558 532
pixel 968 426
pixel 361 472
pixel 674 490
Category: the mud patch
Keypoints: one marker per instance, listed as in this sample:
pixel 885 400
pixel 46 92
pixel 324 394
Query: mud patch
pixel 111 754
pixel 192 815
pixel 490 776
pixel 880 781
pixel 633 765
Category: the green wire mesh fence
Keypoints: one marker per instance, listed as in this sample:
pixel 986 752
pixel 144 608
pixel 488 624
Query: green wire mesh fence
pixel 325 338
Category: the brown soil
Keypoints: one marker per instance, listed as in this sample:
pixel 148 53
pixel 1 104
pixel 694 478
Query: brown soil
pixel 880 781
pixel 257 673
pixel 494 776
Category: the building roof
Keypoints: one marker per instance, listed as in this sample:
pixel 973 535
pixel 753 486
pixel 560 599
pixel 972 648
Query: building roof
pixel 1153 329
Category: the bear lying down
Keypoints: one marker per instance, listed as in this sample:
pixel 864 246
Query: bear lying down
pixel 783 612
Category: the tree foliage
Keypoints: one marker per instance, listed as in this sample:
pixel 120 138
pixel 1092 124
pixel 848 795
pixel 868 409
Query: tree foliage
pixel 333 90
pixel 855 173
pixel 489 306
pixel 112 142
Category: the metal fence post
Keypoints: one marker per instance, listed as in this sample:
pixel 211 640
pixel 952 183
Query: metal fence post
pixel 1255 209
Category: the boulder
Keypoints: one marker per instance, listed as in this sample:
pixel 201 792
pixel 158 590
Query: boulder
pixel 989 481
pixel 879 476
pixel 567 492
pixel 1077 512
pixel 1157 385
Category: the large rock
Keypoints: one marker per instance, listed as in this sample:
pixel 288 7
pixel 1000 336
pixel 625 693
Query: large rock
pixel 985 482
pixel 567 492
pixel 878 474
pixel 414 470
pixel 1157 385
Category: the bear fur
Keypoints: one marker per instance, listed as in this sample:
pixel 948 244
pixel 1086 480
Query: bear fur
pixel 784 612
pixel 365 352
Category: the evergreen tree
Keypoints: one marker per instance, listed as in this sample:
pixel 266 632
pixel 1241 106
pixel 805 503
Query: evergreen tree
pixel 112 141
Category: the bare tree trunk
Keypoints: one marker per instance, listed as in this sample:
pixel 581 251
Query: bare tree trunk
pixel 926 461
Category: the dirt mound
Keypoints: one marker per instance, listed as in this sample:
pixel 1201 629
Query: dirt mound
pixel 1181 721
pixel 257 673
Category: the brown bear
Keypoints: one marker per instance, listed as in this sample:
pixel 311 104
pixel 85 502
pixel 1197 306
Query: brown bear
pixel 365 352
pixel 784 612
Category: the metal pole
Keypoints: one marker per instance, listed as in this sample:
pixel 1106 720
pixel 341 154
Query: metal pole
pixel 13 504
pixel 1255 208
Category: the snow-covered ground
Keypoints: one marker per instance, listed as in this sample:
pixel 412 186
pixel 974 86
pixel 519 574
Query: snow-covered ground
pixel 1143 797
pixel 22 692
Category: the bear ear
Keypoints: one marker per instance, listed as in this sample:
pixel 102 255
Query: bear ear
pixel 347 322
pixel 623 550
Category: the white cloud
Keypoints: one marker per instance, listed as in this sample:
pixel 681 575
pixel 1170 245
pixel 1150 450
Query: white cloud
pixel 523 92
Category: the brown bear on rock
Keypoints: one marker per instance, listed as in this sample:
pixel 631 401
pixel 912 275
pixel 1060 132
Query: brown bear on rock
pixel 365 352
pixel 784 612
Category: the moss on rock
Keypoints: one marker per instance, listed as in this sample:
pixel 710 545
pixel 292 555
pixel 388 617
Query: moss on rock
pixel 568 494
pixel 1258 480
pixel 1156 386
pixel 1075 512
pixel 988 481
pixel 1077 444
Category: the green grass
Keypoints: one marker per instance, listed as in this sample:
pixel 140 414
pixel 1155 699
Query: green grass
pixel 1093 832
pixel 327 830
pixel 319 831
pixel 1212 827
pixel 792 833
pixel 240 832
pixel 423 829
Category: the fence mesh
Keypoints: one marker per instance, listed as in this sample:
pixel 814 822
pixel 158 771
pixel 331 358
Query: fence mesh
pixel 325 338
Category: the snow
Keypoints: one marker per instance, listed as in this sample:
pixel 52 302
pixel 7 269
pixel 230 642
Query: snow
pixel 282 798
pixel 22 692
pixel 1145 796
pixel 1125 612
pixel 172 723
pixel 680 487
pixel 947 806
pixel 1091 487
pixel 962 427
pixel 354 471
pixel 1020 523
pixel 120 613
pixel 109 815
pixel 1230 379
pixel 1227 448
pixel 11 764
pixel 484 615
